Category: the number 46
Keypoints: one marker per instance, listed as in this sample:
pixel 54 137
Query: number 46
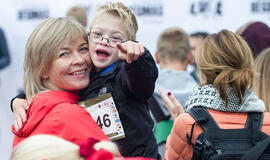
pixel 106 121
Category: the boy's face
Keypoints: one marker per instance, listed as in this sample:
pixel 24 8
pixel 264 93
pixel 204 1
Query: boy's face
pixel 104 53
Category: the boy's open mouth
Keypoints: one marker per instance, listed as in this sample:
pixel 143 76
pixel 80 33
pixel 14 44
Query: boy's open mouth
pixel 102 53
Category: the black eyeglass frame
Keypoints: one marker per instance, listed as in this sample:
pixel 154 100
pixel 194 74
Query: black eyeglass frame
pixel 111 42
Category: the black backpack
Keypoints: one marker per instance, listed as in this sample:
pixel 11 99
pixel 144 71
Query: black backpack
pixel 214 143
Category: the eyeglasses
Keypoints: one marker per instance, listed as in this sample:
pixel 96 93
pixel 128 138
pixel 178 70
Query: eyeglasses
pixel 97 38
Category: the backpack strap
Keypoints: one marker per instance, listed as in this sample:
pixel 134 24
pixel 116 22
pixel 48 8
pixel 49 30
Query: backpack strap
pixel 206 121
pixel 261 140
pixel 255 152
pixel 203 117
pixel 257 116
pixel 254 122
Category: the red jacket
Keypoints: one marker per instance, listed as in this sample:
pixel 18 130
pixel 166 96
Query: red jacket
pixel 177 147
pixel 57 113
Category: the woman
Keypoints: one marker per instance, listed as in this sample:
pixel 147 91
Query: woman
pixel 226 65
pixel 56 66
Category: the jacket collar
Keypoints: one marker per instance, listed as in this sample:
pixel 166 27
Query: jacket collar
pixel 104 72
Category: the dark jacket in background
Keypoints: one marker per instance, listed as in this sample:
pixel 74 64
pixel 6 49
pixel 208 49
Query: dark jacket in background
pixel 4 53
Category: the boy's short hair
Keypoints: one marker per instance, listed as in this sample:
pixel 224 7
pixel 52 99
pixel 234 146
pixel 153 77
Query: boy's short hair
pixel 173 44
pixel 79 14
pixel 199 34
pixel 41 48
pixel 118 9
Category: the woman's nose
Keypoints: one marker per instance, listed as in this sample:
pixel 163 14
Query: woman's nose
pixel 78 58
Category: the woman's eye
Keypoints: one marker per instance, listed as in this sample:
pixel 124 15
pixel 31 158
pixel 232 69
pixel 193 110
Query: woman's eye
pixel 84 49
pixel 63 54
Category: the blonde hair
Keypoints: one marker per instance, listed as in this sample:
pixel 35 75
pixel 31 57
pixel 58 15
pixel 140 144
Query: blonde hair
pixel 121 11
pixel 261 85
pixel 173 44
pixel 225 59
pixel 50 147
pixel 54 148
pixel 41 48
pixel 79 14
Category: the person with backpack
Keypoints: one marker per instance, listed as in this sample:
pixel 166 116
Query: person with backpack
pixel 224 119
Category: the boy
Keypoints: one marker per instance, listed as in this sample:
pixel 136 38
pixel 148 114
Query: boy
pixel 172 54
pixel 130 83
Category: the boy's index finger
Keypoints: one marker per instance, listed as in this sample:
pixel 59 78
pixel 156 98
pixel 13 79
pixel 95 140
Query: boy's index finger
pixel 141 49
pixel 121 47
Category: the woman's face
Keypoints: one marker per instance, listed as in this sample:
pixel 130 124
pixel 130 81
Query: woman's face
pixel 71 67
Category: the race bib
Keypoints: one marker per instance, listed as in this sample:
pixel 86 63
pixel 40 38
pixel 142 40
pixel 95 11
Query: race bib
pixel 104 112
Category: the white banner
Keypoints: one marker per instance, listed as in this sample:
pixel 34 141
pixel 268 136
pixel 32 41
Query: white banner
pixel 19 17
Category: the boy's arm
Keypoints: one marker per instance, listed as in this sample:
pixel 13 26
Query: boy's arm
pixel 19 96
pixel 19 106
pixel 141 73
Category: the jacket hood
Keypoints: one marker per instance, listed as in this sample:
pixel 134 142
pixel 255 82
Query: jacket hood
pixel 40 106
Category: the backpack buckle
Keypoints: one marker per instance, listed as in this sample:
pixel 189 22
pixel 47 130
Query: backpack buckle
pixel 218 151
pixel 255 141
pixel 198 143
pixel 198 146
pixel 208 144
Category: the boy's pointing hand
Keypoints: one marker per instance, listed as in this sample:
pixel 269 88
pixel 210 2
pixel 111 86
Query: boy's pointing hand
pixel 130 51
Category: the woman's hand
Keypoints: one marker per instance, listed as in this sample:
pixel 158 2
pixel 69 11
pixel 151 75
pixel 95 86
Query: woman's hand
pixel 172 104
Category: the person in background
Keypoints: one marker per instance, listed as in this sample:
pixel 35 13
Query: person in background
pixel 195 40
pixel 4 52
pixel 227 70
pixel 79 13
pixel 257 35
pixel 172 54
pixel 261 85
pixel 56 66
